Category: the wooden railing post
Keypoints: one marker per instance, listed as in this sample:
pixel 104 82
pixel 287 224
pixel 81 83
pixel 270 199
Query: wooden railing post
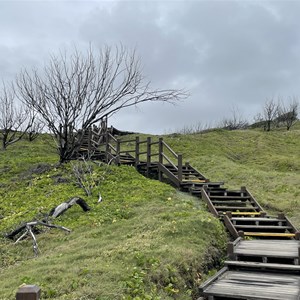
pixel 137 151
pixel 160 150
pixel 148 155
pixel 28 292
pixel 107 150
pixel 89 140
pixel 180 167
pixel 230 251
pixel 160 156
pixel 118 151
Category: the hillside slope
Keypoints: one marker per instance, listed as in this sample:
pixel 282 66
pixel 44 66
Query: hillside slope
pixel 268 163
pixel 145 240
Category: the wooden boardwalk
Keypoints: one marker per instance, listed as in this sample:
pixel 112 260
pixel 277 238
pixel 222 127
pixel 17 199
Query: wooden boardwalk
pixel 265 267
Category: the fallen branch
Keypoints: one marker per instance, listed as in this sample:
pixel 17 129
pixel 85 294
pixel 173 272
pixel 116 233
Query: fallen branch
pixel 60 209
pixel 30 228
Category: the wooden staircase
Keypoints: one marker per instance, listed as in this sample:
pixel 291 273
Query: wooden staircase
pixel 264 256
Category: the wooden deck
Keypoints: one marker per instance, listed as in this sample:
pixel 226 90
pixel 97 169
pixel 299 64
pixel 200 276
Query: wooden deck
pixel 253 285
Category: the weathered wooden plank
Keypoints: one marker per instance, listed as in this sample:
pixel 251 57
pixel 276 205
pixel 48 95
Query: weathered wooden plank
pixel 230 226
pixel 239 208
pixel 212 279
pixel 226 197
pixel 264 266
pixel 259 219
pixel 246 213
pixel 206 198
pixel 269 234
pixel 262 227
pixel 252 198
pixel 255 285
pixel 279 249
pixel 228 203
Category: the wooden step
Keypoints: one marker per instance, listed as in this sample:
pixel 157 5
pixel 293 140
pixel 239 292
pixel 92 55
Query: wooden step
pixel 246 213
pixel 268 234
pixel 263 227
pixel 228 203
pixel 194 180
pixel 265 219
pixel 236 208
pixel 258 221
pixel 257 265
pixel 251 284
pixel 241 198
pixel 286 249
pixel 226 193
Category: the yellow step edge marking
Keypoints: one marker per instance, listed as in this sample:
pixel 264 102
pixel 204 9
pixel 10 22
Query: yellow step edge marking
pixel 194 180
pixel 246 213
pixel 269 234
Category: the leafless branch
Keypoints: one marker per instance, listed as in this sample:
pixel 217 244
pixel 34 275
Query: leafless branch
pixel 78 90
pixel 15 119
pixel 288 112
pixel 270 112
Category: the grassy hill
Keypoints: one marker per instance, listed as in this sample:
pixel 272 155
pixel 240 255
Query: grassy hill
pixel 267 163
pixel 145 240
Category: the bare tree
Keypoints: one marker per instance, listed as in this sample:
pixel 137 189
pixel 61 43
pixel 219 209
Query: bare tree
pixel 84 176
pixel 235 122
pixel 77 90
pixel 287 113
pixel 270 112
pixel 14 118
pixel 36 127
pixel 258 121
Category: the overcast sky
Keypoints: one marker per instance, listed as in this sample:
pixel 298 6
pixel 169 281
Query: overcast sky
pixel 228 54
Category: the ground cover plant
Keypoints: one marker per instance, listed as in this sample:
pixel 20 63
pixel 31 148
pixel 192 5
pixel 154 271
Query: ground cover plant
pixel 144 240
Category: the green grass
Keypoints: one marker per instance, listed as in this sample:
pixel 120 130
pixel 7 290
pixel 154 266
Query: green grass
pixel 145 240
pixel 267 163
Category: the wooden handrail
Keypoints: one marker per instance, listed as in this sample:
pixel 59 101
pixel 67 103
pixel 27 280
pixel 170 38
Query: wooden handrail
pixel 154 143
pixel 144 152
pixel 154 154
pixel 170 149
pixel 112 147
pixel 127 141
pixel 110 136
pixel 115 145
pixel 127 151
pixel 169 161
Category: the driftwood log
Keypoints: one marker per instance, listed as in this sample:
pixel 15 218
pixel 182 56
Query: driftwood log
pixel 61 208
pixel 30 228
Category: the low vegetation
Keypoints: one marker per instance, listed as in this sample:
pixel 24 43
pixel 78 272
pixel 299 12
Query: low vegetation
pixel 144 240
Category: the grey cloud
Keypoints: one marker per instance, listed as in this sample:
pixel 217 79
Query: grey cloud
pixel 227 53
